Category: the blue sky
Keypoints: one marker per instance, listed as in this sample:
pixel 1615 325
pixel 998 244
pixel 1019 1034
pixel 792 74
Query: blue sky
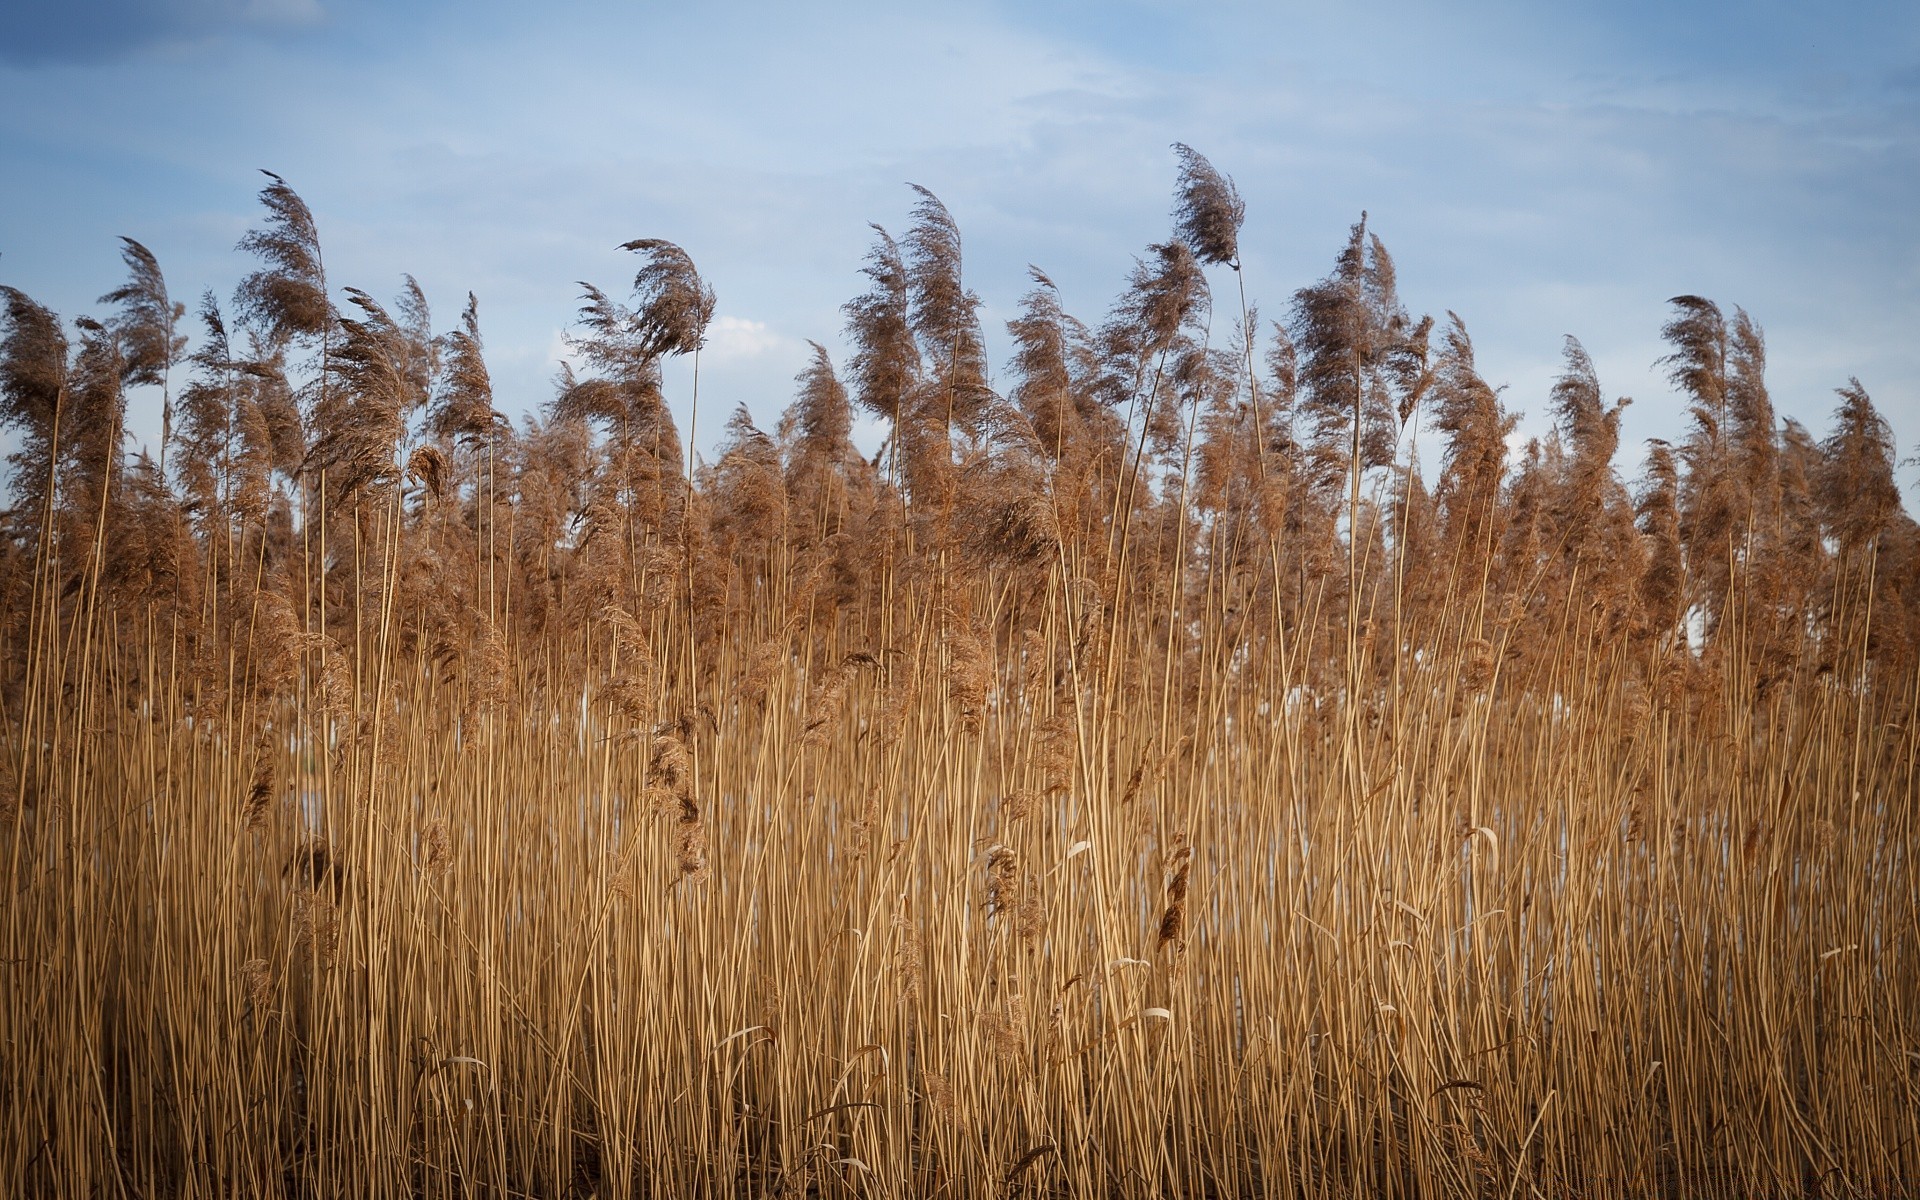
pixel 1539 169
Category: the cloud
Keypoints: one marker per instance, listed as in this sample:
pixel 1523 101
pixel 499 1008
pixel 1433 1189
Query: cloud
pixel 559 352
pixel 732 339
pixel 47 32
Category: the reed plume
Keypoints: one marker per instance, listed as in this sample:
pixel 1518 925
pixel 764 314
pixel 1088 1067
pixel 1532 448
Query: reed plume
pixel 1208 211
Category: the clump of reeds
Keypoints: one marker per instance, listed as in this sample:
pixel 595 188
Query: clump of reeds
pixel 1146 783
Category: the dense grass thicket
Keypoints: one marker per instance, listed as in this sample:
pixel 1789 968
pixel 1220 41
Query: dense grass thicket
pixel 1196 759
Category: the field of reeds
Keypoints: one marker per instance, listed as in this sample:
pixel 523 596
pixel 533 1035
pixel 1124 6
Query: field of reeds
pixel 1199 760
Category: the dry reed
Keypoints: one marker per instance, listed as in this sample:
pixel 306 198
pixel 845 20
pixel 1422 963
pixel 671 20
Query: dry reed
pixel 1147 785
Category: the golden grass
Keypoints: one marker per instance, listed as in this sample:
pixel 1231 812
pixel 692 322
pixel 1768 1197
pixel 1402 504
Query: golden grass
pixel 422 846
pixel 1564 946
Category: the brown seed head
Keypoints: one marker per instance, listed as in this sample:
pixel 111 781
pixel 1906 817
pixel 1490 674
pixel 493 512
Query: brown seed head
pixel 969 674
pixel 1020 804
pixel 670 763
pixel 1003 867
pixel 427 466
pixel 939 1094
pixel 1059 739
pixel 1476 671
pixel 630 697
pixel 436 849
pixel 256 980
pixel 1003 1033
pixel 316 926
pixel 908 954
pixel 763 667
pixel 487 671
pixel 1825 834
pixel 253 814
pixel 1173 919
pixel 825 704
pixel 1030 915
pixel 690 849
pixel 1208 210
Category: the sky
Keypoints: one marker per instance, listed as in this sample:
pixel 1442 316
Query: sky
pixel 1540 170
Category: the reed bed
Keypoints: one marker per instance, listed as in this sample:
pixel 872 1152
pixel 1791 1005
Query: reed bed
pixel 1138 784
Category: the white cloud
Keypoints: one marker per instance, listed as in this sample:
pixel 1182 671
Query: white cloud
pixel 558 352
pixel 735 339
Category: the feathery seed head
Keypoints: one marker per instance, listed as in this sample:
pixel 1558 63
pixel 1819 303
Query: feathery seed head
pixel 1208 210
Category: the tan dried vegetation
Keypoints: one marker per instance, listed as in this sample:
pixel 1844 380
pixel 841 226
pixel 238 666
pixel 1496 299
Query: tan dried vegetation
pixel 1139 778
